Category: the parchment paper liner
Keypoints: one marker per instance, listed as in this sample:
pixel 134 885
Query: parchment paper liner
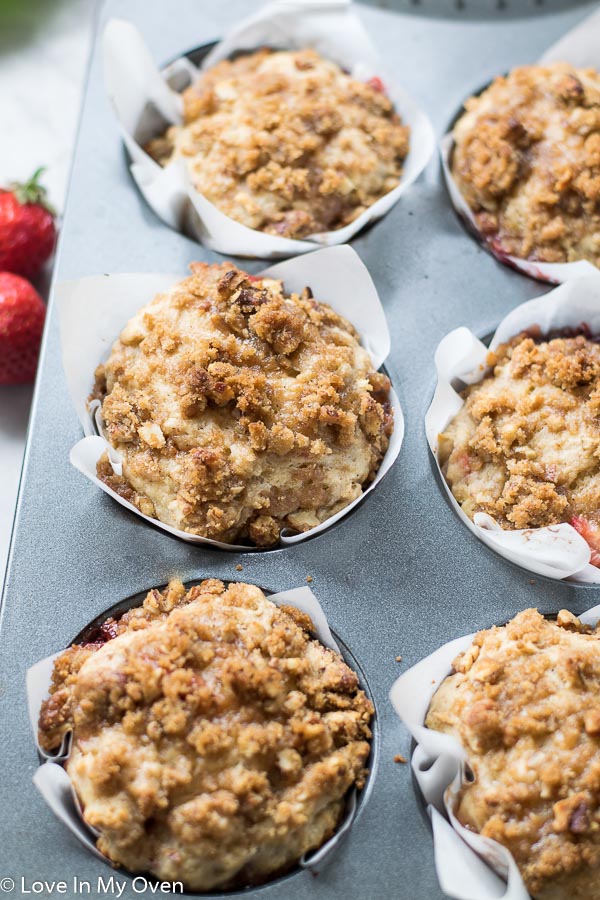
pixel 54 784
pixel 580 47
pixel 143 101
pixel 468 866
pixel 557 551
pixel 93 311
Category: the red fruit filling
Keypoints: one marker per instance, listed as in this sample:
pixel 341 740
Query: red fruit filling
pixel 590 532
pixel 377 84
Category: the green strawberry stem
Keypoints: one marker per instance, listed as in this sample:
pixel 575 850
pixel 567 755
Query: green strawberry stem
pixel 32 191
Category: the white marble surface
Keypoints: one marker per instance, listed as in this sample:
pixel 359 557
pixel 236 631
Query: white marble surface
pixel 44 45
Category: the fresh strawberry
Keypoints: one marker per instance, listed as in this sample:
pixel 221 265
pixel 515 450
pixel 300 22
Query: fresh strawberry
pixel 590 533
pixel 22 314
pixel 27 230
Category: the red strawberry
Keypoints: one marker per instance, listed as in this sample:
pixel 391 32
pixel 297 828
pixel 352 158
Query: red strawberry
pixel 22 314
pixel 590 533
pixel 27 230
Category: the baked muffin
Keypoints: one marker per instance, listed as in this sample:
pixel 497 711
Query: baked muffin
pixel 523 703
pixel 240 410
pixel 525 447
pixel 286 142
pixel 213 739
pixel 527 162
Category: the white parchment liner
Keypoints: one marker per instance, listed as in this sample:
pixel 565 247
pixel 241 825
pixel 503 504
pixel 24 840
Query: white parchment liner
pixel 468 866
pixel 94 310
pixel 579 47
pixel 54 784
pixel 557 551
pixel 143 98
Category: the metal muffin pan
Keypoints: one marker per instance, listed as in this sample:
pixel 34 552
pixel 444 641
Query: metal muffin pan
pixel 490 10
pixel 401 575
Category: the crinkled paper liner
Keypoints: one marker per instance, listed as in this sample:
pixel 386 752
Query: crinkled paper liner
pixel 579 47
pixel 468 866
pixel 557 551
pixel 94 310
pixel 144 99
pixel 54 784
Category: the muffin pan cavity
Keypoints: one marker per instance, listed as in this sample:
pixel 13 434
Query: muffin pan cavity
pixel 93 312
pixel 221 606
pixel 578 49
pixel 470 864
pixel 558 550
pixel 137 88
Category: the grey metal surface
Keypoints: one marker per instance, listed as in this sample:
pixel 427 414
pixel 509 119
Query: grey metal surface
pixel 400 576
pixel 487 10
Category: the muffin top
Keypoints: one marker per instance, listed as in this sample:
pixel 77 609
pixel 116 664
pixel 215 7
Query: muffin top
pixel 213 740
pixel 525 447
pixel 527 162
pixel 523 702
pixel 286 142
pixel 240 410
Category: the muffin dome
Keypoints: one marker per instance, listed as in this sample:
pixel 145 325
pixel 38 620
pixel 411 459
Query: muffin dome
pixel 286 142
pixel 527 162
pixel 213 740
pixel 523 703
pixel 239 410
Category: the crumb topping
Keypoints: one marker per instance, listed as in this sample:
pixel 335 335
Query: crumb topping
pixel 527 161
pixel 525 447
pixel 523 702
pixel 286 142
pixel 213 739
pixel 240 410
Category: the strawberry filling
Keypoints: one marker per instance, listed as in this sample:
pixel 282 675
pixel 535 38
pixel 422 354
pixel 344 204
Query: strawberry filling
pixel 590 532
pixel 377 84
pixel 464 461
pixel 101 634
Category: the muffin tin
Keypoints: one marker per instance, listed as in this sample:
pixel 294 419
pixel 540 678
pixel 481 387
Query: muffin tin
pixel 400 576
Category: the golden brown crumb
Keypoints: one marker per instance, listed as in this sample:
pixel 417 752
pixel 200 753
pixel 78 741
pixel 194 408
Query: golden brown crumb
pixel 239 567
pixel 527 162
pixel 309 578
pixel 399 758
pixel 240 410
pixel 525 447
pixel 214 741
pixel 523 702
pixel 398 659
pixel 286 142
